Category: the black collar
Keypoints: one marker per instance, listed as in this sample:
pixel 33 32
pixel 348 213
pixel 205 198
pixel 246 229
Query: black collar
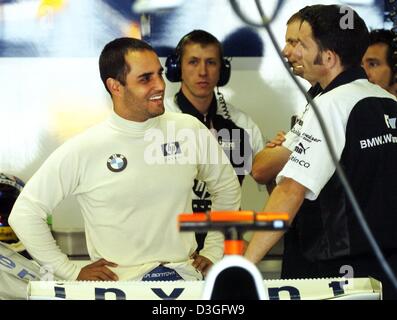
pixel 346 76
pixel 314 90
pixel 186 107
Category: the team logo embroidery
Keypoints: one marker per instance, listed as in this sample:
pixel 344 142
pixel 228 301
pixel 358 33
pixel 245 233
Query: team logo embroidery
pixel 300 148
pixel 171 148
pixel 203 203
pixel 390 122
pixel 117 162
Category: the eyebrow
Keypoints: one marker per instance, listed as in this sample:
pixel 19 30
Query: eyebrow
pixel 205 58
pixel 147 74
pixel 292 39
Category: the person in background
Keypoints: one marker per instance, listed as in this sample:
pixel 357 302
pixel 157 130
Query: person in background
pixel 198 63
pixel 380 59
pixel 357 113
pixel 291 40
pixel 268 163
pixel 10 188
pixel 132 175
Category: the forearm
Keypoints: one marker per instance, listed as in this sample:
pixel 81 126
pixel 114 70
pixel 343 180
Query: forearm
pixel 31 228
pixel 268 163
pixel 220 177
pixel 223 185
pixel 225 195
pixel 286 197
pixel 261 243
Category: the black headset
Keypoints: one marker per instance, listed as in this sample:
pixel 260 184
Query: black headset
pixel 173 62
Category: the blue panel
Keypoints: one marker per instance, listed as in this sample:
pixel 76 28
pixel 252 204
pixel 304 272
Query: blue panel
pixel 77 28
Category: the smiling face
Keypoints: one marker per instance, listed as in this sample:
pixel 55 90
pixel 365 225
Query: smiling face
pixel 200 70
pixel 142 96
pixel 291 40
pixel 310 55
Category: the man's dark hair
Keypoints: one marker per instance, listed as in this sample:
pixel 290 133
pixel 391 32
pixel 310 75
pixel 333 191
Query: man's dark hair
pixel 385 36
pixel 112 62
pixel 297 16
pixel 348 43
pixel 201 37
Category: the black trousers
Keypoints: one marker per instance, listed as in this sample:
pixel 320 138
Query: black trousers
pixel 296 265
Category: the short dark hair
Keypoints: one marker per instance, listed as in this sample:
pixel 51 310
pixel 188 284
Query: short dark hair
pixel 297 16
pixel 201 37
pixel 384 36
pixel 112 62
pixel 348 43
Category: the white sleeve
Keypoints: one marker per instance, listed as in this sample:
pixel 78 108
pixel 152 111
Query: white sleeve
pixel 257 138
pixel 245 122
pixel 292 136
pixel 257 146
pixel 310 163
pixel 44 191
pixel 222 183
pixel 291 139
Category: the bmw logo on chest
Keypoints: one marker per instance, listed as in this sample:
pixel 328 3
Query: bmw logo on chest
pixel 117 162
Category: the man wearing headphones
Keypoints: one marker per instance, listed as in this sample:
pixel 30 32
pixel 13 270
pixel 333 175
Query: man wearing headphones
pixel 199 65
pixel 380 60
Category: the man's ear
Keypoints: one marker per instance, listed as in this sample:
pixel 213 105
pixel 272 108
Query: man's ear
pixel 114 86
pixel 330 58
